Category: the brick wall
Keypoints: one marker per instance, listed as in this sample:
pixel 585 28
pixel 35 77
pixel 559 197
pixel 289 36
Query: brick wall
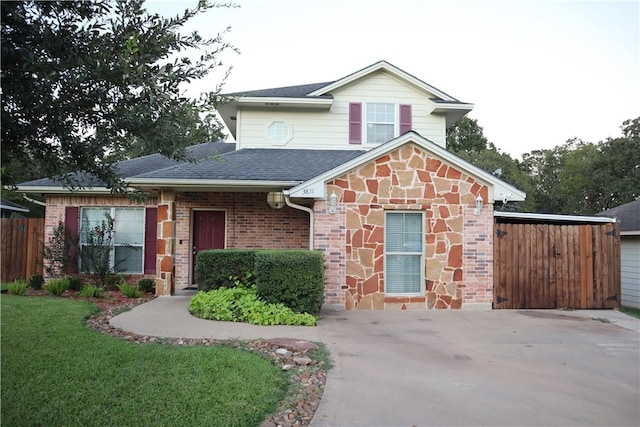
pixel 477 261
pixel 250 224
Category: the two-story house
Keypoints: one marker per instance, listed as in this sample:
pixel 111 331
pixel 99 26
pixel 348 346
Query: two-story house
pixel 356 168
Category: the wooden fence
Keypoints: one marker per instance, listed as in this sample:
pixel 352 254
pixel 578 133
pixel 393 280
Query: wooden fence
pixel 22 242
pixel 556 266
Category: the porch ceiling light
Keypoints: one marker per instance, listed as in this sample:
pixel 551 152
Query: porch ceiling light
pixel 479 203
pixel 276 199
pixel 333 203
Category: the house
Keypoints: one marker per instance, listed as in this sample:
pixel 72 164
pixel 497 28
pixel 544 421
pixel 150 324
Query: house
pixel 628 216
pixel 356 168
pixel 9 209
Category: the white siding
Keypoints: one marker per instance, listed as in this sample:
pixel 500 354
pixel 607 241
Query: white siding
pixel 630 269
pixel 329 129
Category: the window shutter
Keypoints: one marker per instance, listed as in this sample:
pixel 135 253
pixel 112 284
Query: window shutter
pixel 405 118
pixel 72 224
pixel 355 123
pixel 150 236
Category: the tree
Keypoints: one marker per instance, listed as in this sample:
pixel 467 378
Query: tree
pixel 466 139
pixel 85 84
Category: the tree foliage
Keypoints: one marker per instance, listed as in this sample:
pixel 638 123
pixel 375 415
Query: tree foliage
pixel 577 177
pixel 88 83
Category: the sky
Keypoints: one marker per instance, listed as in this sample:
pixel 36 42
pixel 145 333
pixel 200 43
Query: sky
pixel 538 72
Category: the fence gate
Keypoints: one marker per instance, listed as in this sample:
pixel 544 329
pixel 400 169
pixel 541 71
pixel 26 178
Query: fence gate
pixel 22 242
pixel 556 266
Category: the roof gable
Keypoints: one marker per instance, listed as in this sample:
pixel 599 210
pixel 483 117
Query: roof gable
pixel 498 189
pixel 389 68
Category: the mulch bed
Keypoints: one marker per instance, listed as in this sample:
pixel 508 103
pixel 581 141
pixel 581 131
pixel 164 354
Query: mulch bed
pixel 307 376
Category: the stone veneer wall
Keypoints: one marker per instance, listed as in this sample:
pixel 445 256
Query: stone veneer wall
pixel 55 212
pixel 250 223
pixel 458 250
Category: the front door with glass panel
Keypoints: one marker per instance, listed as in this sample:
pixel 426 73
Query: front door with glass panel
pixel 404 245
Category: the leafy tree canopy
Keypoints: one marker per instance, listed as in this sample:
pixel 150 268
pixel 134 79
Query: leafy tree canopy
pixel 88 83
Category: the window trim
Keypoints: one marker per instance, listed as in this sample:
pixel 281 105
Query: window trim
pixel 112 212
pixel 365 121
pixel 421 290
pixel 286 139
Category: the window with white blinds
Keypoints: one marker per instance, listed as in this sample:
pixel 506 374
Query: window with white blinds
pixel 404 239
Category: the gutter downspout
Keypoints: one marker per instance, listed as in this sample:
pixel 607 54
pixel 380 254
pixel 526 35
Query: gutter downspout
pixel 311 217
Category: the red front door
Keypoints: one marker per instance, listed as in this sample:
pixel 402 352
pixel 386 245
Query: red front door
pixel 208 233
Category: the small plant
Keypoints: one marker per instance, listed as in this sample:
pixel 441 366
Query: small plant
pixel 91 291
pixel 56 287
pixel 129 291
pixel 146 285
pixel 18 287
pixel 60 251
pixel 36 281
pixel 75 283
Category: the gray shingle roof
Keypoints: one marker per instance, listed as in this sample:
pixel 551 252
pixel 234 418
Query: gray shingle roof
pixel 260 164
pixel 299 91
pixel 628 215
pixel 11 206
pixel 140 165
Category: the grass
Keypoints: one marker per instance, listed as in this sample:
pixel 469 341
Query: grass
pixel 630 311
pixel 57 371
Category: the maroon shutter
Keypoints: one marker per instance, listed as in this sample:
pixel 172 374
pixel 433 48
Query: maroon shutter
pixel 405 118
pixel 355 123
pixel 72 224
pixel 150 236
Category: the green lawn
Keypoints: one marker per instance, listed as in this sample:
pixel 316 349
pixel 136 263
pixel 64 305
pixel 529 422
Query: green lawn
pixel 57 371
pixel 631 311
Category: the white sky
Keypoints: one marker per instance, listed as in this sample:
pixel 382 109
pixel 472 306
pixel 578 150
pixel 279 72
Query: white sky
pixel 538 72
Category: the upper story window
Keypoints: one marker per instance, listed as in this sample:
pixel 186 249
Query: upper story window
pixel 378 123
pixel 279 132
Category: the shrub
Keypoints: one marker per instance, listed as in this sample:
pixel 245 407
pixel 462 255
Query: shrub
pixel 18 287
pixel 111 281
pixel 56 287
pixel 91 291
pixel 60 251
pixel 129 291
pixel 36 281
pixel 243 305
pixel 292 277
pixel 146 285
pixel 219 268
pixel 75 283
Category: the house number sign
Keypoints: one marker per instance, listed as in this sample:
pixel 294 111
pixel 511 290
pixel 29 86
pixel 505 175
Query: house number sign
pixel 313 191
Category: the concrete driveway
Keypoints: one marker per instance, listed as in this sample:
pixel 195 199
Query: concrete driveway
pixel 469 368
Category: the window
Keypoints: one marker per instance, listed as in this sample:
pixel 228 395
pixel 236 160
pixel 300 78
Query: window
pixel 279 132
pixel 127 239
pixel 403 253
pixel 380 123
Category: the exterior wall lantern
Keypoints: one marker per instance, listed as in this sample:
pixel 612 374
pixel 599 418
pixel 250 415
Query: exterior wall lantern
pixel 275 199
pixel 479 203
pixel 333 203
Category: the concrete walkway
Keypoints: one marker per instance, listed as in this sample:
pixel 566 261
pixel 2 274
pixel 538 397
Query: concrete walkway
pixel 169 317
pixel 451 367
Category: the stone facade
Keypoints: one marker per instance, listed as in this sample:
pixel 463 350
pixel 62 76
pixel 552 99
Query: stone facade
pixel 457 242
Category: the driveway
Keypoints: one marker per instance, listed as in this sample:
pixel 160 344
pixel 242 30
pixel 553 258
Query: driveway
pixel 468 368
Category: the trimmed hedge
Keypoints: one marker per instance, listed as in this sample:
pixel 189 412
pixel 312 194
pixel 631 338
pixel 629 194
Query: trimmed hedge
pixel 217 268
pixel 292 277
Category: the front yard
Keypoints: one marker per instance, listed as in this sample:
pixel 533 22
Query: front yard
pixel 57 371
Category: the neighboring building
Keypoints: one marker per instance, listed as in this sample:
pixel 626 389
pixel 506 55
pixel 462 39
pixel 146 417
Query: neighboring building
pixel 356 168
pixel 628 216
pixel 9 209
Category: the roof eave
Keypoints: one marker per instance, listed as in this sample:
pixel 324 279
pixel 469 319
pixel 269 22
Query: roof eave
pixel 553 217
pixel 50 189
pixel 209 184
pixel 452 112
